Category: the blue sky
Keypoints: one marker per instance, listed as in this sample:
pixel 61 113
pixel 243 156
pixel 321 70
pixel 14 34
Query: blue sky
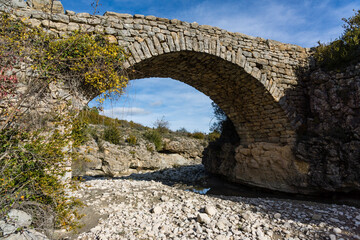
pixel 300 22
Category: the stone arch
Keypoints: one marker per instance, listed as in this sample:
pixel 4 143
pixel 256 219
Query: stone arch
pixel 257 116
pixel 250 78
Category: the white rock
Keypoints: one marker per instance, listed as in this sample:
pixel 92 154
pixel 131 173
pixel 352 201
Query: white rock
pixel 337 230
pixel 221 237
pixel 277 215
pixel 19 218
pixel 156 210
pixel 164 198
pixel 220 225
pixel 203 218
pixel 332 237
pixel 7 228
pixel 210 210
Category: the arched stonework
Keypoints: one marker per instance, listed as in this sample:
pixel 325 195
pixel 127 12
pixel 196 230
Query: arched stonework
pixel 254 112
pixel 252 79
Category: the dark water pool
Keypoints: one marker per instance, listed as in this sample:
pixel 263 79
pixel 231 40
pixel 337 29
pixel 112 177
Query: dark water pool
pixel 215 185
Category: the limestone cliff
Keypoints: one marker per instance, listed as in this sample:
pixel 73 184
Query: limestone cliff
pixel 102 158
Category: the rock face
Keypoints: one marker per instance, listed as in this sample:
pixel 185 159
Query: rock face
pixel 47 6
pixel 330 138
pixel 327 148
pixel 261 164
pixel 13 3
pixel 107 159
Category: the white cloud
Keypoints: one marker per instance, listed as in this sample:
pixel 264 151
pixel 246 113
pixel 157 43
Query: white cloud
pixel 296 22
pixel 120 112
pixel 156 103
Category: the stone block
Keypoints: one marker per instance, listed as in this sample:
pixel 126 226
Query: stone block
pixel 47 6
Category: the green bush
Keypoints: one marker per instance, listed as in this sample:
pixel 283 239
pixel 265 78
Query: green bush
pixel 30 166
pixel 343 51
pixel 155 137
pixel 132 140
pixel 112 134
pixel 198 135
pixel 80 132
pixel 213 136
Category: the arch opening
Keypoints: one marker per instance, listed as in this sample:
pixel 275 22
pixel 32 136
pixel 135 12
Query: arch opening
pixel 148 100
pixel 257 117
pixel 262 155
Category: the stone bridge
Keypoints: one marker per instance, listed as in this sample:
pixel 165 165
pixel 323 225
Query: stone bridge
pixel 253 80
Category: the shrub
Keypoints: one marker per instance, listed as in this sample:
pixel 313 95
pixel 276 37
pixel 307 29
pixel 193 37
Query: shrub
pixel 162 125
pixel 33 160
pixel 182 131
pixel 343 51
pixel 80 132
pixel 112 134
pixel 30 166
pixel 155 137
pixel 132 140
pixel 213 136
pixel 198 135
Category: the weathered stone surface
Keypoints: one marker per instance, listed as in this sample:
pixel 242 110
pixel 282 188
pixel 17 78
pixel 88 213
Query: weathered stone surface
pixel 19 218
pixel 47 6
pixel 106 159
pixel 13 3
pixel 111 39
pixel 203 218
pixel 330 136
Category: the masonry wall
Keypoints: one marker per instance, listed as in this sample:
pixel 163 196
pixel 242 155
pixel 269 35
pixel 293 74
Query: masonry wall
pixel 257 82
pixel 329 139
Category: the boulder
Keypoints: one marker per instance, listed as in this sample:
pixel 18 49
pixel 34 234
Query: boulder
pixel 19 218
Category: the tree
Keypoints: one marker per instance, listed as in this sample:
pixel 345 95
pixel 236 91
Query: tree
pixel 343 51
pixel 162 125
pixel 220 118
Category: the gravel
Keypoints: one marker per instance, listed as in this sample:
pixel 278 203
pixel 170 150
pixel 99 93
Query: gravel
pixel 140 208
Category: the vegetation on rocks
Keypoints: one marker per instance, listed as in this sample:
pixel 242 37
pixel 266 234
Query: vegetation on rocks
pixel 33 157
pixel 343 51
pixel 155 137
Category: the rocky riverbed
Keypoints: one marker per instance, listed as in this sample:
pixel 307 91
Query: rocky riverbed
pixel 150 206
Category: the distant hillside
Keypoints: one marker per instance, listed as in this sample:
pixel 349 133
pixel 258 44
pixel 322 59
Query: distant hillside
pixel 113 147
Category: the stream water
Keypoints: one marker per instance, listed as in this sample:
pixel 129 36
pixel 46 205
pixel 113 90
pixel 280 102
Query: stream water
pixel 215 185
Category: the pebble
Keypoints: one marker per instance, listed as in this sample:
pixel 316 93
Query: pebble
pixel 179 214
pixel 156 210
pixel 203 218
pixel 210 210
pixel 316 217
